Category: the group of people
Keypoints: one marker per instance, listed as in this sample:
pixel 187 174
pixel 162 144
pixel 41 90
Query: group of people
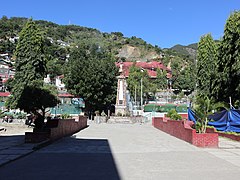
pixel 7 119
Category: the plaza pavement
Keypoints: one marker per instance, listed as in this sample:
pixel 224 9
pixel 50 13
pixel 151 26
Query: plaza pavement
pixel 125 151
pixel 12 144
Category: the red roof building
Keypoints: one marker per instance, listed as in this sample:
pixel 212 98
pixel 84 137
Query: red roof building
pixel 4 94
pixel 65 95
pixel 151 68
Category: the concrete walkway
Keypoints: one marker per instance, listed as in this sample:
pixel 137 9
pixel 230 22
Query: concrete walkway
pixel 126 151
pixel 12 144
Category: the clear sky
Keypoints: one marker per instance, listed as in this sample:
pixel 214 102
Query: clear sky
pixel 163 23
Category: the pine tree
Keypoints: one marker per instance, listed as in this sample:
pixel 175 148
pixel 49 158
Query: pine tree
pixel 206 65
pixel 228 80
pixel 30 60
pixel 27 89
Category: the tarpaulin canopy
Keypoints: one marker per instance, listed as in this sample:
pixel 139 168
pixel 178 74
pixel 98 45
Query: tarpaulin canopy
pixel 192 116
pixel 226 120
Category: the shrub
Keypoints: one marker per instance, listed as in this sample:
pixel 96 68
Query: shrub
pixel 2 115
pixel 103 113
pixel 119 114
pixel 230 132
pixel 21 116
pixel 198 127
pixel 172 114
pixel 65 116
pixel 211 127
pixel 128 114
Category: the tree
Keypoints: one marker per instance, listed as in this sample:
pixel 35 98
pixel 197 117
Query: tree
pixel 161 79
pixel 136 75
pixel 186 79
pixel 36 98
pixel 228 82
pixel 203 107
pixel 55 67
pixel 176 67
pixel 30 60
pixel 91 74
pixel 28 92
pixel 133 80
pixel 206 65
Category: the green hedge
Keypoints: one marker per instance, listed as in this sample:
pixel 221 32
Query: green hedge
pixel 165 108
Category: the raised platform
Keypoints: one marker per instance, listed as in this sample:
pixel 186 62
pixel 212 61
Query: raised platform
pixel 184 131
pixel 56 128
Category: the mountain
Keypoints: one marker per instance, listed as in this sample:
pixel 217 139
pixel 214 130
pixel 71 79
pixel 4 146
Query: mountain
pixel 188 51
pixel 62 38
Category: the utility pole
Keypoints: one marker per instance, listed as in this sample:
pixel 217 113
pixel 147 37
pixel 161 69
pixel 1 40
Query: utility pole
pixel 135 95
pixel 141 95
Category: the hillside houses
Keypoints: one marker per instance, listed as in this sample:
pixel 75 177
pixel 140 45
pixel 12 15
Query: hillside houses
pixel 150 67
pixel 123 104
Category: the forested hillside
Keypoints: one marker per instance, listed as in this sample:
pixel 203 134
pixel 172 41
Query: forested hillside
pixel 71 35
pixel 60 39
pixel 189 51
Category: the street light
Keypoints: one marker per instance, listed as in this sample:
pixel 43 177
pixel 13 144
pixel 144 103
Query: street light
pixel 141 95
pixel 135 96
pixel 142 70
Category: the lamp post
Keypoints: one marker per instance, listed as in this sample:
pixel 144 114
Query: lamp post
pixel 142 70
pixel 55 112
pixel 141 95
pixel 135 95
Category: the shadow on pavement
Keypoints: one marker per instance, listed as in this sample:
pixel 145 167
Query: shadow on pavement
pixel 69 158
pixel 7 141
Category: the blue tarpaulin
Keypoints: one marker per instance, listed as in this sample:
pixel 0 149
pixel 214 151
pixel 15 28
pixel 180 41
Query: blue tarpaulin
pixel 226 120
pixel 192 115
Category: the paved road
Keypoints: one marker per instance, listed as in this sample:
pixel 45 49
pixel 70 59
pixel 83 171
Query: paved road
pixel 125 151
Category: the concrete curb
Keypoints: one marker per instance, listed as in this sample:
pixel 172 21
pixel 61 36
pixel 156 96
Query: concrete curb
pixel 42 144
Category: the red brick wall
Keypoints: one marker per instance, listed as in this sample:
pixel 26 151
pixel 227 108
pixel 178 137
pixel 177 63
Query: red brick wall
pixel 205 140
pixel 183 115
pixel 67 127
pixel 58 129
pixel 230 136
pixel 36 137
pixel 183 130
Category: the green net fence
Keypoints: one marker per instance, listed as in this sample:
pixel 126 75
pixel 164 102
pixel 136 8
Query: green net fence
pixel 165 108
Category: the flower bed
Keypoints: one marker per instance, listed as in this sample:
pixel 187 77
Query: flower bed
pixel 183 130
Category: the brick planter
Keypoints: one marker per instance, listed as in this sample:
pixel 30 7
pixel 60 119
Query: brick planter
pixel 222 134
pixel 57 128
pixel 183 130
